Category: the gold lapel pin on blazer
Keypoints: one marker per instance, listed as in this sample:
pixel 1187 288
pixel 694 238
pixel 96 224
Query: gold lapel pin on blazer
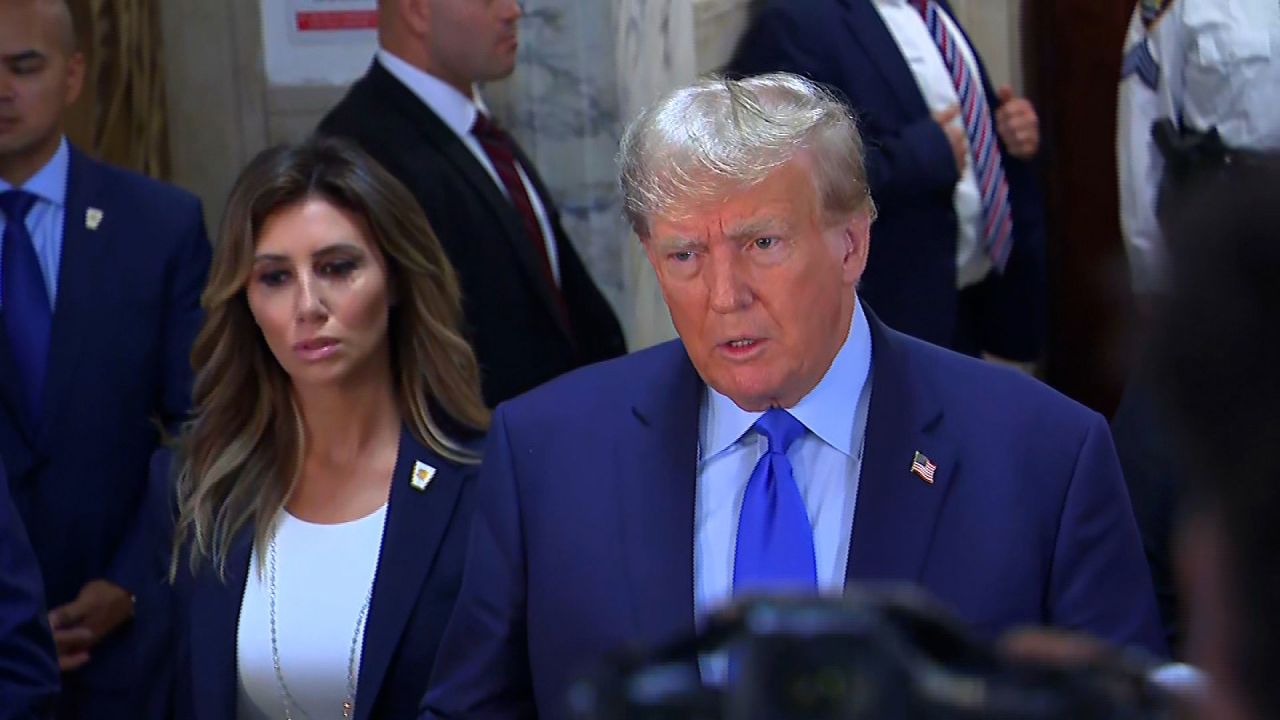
pixel 923 468
pixel 93 218
pixel 422 474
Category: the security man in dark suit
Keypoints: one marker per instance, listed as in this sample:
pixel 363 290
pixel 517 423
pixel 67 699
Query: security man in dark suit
pixel 100 277
pixel 532 309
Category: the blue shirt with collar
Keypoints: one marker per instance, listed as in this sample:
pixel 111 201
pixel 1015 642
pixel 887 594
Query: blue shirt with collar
pixel 47 216
pixel 827 463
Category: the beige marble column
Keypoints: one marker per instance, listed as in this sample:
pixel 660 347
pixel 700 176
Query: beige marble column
pixel 995 27
pixel 216 94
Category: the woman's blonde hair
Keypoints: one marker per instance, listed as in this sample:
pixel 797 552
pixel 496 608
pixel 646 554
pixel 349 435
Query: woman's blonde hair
pixel 241 453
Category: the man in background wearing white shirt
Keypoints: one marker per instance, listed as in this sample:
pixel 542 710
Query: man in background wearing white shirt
pixel 957 254
pixel 533 311
pixel 1207 69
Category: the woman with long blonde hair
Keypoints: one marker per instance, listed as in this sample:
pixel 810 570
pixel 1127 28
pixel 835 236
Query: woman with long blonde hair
pixel 324 481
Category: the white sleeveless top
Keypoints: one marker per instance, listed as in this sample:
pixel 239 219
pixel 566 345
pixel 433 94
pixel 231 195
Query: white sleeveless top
pixel 323 577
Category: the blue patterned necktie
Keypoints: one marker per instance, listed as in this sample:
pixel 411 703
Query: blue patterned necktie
pixel 27 316
pixel 997 218
pixel 774 552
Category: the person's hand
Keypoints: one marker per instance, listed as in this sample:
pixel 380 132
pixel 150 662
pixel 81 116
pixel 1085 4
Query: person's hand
pixel 1017 124
pixel 101 607
pixel 956 137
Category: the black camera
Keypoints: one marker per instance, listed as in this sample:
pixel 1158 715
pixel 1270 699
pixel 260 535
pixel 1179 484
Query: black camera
pixel 886 654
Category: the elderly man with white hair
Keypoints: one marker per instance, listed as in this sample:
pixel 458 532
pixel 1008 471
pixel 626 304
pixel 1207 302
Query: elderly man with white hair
pixel 788 442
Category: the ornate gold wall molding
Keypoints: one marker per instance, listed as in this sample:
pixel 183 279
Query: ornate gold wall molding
pixel 121 117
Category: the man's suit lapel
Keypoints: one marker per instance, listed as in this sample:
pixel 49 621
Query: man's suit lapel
pixel 417 521
pixel 868 28
pixel 656 474
pixel 385 85
pixel 897 510
pixel 79 273
pixel 213 625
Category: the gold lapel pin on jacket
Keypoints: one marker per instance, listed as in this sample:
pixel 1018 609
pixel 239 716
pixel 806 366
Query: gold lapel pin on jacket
pixel 93 218
pixel 923 468
pixel 422 474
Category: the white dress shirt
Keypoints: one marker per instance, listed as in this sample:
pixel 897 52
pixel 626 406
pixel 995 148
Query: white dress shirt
pixel 459 113
pixel 1216 69
pixel 323 577
pixel 930 71
pixel 827 463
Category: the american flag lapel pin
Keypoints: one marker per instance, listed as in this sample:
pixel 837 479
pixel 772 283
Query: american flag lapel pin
pixel 422 474
pixel 923 468
pixel 93 218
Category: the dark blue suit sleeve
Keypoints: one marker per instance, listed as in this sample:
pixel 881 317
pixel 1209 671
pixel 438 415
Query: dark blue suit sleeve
pixel 482 668
pixel 902 160
pixel 28 669
pixel 1100 581
pixel 141 561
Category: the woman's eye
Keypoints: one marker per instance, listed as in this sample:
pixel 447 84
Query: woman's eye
pixel 338 268
pixel 273 278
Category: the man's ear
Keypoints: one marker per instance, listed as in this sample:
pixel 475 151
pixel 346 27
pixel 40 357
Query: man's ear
pixel 75 77
pixel 855 239
pixel 415 14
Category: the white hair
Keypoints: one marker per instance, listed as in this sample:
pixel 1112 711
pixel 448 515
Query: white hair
pixel 702 141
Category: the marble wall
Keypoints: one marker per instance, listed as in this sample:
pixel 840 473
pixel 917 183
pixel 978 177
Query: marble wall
pixel 562 105
pixel 584 70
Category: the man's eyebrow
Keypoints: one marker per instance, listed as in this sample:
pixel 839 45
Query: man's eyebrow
pixel 677 242
pixel 756 227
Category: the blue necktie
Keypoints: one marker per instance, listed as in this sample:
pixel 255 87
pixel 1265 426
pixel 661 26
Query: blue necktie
pixel 775 540
pixel 27 316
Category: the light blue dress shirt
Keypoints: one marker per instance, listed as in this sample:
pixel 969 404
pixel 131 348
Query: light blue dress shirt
pixel 827 463
pixel 47 217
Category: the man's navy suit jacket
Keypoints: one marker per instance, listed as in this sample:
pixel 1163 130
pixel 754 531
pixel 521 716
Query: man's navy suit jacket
pixel 583 537
pixel 127 310
pixel 911 271
pixel 28 668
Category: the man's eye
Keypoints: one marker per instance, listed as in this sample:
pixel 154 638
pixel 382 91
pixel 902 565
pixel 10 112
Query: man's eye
pixel 682 256
pixel 765 243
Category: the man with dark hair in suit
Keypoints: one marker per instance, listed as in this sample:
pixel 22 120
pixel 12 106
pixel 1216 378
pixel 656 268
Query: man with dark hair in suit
pixel 28 670
pixel 957 254
pixel 100 279
pixel 533 310
pixel 789 441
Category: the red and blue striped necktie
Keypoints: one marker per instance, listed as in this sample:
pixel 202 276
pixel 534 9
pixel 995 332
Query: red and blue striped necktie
pixel 997 220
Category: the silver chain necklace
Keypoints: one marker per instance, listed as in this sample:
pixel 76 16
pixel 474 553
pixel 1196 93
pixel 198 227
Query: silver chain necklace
pixel 349 702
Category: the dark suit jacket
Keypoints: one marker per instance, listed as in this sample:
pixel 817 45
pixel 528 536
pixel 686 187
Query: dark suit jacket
pixel 584 530
pixel 128 308
pixel 911 272
pixel 28 666
pixel 518 334
pixel 419 570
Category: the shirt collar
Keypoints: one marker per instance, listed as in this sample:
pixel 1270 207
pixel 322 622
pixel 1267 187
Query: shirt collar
pixel 456 110
pixel 828 411
pixel 50 182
